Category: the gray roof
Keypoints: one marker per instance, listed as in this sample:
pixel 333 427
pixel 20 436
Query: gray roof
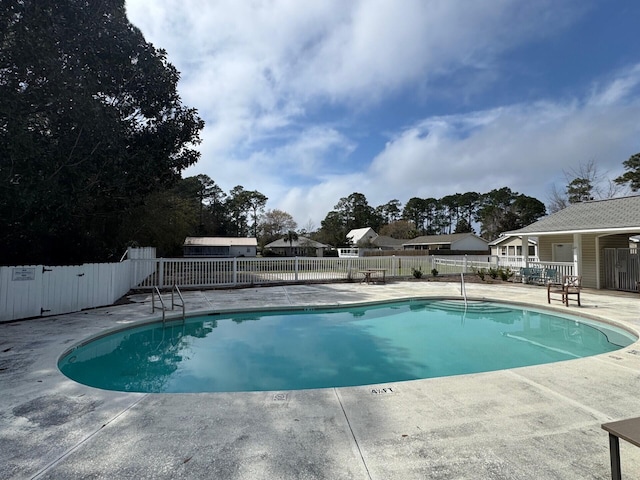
pixel 300 242
pixel 615 214
pixel 499 240
pixel 440 239
pixel 385 241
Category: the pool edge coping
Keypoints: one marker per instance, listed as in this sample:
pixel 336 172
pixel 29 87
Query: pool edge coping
pixel 174 317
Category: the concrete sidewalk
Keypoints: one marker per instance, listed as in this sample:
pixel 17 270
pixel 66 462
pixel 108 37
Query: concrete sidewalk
pixel 539 422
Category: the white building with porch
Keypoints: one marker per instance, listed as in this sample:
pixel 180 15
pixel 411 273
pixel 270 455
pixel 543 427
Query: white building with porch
pixel 509 249
pixel 593 239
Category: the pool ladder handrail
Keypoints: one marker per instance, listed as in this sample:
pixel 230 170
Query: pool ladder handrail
pixel 156 291
pixel 463 290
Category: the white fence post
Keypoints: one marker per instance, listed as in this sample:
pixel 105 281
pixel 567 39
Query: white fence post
pixel 296 269
pixel 160 281
pixel 235 270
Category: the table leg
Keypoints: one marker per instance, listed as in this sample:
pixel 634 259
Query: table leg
pixel 614 451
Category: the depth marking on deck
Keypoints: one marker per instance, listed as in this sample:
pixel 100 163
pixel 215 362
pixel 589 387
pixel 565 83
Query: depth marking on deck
pixel 383 390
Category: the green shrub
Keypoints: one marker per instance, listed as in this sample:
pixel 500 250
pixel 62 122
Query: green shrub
pixel 434 272
pixel 416 272
pixel 480 273
pixel 505 273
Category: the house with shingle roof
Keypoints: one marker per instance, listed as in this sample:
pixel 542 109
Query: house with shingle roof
pixel 359 236
pixel 511 247
pixel 467 242
pixel 594 236
pixel 300 247
pixel 384 242
pixel 220 247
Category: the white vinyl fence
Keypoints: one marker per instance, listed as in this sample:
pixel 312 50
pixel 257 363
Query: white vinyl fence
pixel 31 291
pixel 212 272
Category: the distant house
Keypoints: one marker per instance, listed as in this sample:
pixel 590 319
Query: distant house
pixel 512 247
pixel 382 242
pixel 302 247
pixel 463 242
pixel 359 236
pixel 595 237
pixel 220 247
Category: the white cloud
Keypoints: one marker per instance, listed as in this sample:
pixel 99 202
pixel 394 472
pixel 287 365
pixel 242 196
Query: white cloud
pixel 254 67
pixel 382 45
pixel 524 147
pixel 623 85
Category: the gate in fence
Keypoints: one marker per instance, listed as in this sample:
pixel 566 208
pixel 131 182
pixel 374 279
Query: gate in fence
pixel 37 290
pixel 621 269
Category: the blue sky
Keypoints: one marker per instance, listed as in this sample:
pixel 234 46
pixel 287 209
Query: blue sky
pixel 310 101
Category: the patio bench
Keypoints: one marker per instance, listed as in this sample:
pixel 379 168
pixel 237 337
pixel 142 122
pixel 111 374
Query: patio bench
pixel 532 275
pixel 628 430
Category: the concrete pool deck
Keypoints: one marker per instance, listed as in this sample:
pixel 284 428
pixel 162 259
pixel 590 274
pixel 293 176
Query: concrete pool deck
pixel 540 422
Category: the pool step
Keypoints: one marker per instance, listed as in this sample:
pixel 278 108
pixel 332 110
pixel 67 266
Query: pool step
pixel 472 306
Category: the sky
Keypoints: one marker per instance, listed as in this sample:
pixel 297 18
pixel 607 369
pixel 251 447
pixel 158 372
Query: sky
pixel 309 101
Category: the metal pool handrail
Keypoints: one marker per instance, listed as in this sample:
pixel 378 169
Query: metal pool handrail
pixel 173 304
pixel 463 289
pixel 156 291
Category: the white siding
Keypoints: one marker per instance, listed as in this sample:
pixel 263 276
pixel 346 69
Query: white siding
pixel 31 291
pixel 588 267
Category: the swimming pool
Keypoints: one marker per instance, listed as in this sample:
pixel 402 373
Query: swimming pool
pixel 334 347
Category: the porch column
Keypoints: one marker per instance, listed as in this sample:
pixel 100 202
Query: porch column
pixel 525 254
pixel 577 253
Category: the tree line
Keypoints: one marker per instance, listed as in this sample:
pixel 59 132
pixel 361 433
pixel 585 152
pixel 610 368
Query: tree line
pixel 198 206
pixel 496 211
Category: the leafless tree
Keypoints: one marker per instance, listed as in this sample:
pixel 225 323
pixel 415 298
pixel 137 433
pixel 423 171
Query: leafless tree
pixel 584 182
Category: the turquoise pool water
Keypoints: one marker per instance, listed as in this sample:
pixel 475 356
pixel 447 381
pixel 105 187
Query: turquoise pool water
pixel 319 348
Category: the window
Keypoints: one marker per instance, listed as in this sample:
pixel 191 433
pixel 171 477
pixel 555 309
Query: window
pixel 562 252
